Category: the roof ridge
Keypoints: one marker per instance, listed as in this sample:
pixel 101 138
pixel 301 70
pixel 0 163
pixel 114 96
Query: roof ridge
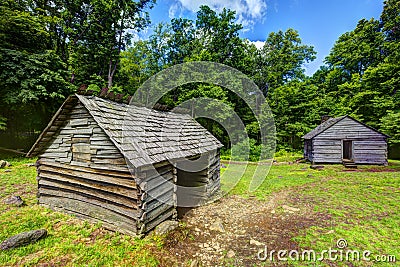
pixel 150 135
pixel 332 121
pixel 323 127
pixel 134 104
pixel 135 147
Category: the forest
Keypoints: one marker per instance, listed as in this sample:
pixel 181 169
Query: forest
pixel 50 48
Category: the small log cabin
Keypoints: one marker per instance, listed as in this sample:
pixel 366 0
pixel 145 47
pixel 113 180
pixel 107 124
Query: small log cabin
pixel 119 164
pixel 345 140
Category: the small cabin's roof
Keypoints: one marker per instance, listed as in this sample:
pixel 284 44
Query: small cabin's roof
pixel 144 136
pixel 329 123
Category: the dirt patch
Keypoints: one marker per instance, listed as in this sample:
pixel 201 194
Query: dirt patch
pixel 233 230
pixel 372 170
pixel 59 261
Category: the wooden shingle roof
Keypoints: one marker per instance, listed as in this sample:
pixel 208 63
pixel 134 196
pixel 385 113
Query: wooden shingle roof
pixel 145 136
pixel 322 127
pixel 329 123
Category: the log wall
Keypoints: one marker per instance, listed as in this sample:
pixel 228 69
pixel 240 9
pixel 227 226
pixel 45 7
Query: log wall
pixel 83 173
pixel 369 146
pixel 213 172
pixel 158 200
pixel 370 151
pixel 326 151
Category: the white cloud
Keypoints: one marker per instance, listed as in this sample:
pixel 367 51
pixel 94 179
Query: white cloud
pixel 258 44
pixel 256 8
pixel 173 10
pixel 248 12
pixel 276 7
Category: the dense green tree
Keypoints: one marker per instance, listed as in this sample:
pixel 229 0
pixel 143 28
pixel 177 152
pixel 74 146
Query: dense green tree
pixel 281 60
pixel 390 20
pixel 390 125
pixel 217 37
pixel 32 76
pixel 181 40
pixel 359 49
pixel 169 44
pixel 135 67
pixel 49 47
pixel 297 107
pixel 102 31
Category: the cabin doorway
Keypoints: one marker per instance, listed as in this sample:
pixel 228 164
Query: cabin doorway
pixel 347 150
pixel 191 184
pixel 190 191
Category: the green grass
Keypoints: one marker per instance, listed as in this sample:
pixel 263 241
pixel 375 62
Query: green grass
pixel 70 242
pixel 362 207
pixel 279 177
pixel 19 178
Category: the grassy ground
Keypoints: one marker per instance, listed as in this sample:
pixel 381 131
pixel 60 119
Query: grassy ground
pixel 360 206
pixel 70 241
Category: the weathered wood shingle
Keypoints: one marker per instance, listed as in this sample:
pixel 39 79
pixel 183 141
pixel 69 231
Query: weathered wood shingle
pixel 145 136
pixel 322 127
pixel 332 121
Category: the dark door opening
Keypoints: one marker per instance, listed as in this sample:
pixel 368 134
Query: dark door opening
pixel 192 178
pixel 348 150
pixel 191 190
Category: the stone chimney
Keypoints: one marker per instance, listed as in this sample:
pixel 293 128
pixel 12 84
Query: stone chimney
pixel 324 118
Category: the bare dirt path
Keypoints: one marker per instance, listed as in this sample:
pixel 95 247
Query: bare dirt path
pixel 231 231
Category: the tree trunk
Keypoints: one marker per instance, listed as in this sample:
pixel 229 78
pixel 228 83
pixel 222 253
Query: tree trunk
pixel 111 70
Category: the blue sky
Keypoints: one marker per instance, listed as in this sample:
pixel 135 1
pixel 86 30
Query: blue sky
pixel 319 22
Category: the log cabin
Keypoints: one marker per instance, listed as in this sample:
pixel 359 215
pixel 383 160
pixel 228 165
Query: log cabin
pixel 125 166
pixel 345 140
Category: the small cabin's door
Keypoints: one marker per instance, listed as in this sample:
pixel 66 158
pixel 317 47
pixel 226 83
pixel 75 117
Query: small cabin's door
pixel 347 150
